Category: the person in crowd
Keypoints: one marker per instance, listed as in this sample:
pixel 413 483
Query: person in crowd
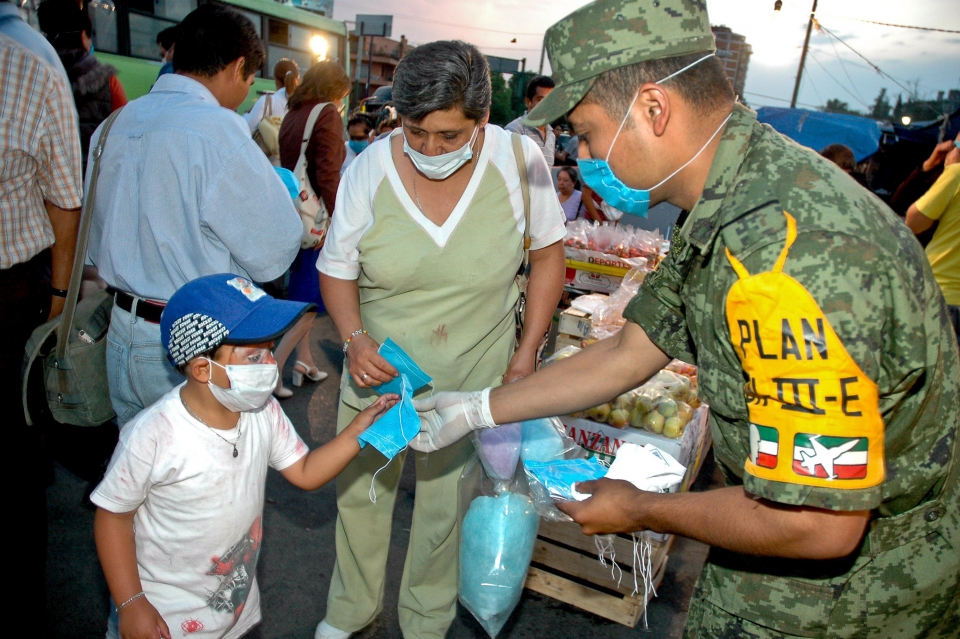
pixel 388 121
pixel 209 202
pixel 16 28
pixel 942 203
pixel 324 82
pixel 538 88
pixel 166 42
pixel 179 512
pixel 424 248
pixel 569 193
pixel 842 155
pixel 286 77
pixel 358 139
pixel 920 180
pixel 97 91
pixel 824 347
pixel 40 198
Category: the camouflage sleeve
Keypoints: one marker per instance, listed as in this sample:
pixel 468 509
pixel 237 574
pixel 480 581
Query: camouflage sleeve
pixel 659 311
pixel 874 303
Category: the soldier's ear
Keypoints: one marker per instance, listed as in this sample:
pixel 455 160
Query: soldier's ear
pixel 654 105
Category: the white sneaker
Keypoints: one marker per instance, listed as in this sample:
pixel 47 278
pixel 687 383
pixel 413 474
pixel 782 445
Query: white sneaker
pixel 326 631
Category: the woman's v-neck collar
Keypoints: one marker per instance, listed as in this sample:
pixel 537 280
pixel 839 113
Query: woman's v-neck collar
pixel 439 234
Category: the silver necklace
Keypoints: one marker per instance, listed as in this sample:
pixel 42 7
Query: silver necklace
pixel 212 429
pixel 415 196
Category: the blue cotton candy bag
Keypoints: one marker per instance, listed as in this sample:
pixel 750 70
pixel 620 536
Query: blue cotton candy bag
pixel 496 546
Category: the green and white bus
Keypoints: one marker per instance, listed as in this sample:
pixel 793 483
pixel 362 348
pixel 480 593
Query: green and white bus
pixel 125 36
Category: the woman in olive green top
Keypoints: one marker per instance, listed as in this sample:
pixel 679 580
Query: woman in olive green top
pixel 425 242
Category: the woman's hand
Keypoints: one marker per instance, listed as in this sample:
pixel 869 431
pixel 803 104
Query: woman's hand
pixel 523 363
pixel 367 367
pixel 140 620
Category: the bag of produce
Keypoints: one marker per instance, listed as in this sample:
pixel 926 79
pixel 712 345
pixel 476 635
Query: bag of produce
pixel 496 545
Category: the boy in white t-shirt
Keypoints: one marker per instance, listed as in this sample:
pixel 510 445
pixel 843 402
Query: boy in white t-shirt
pixel 178 525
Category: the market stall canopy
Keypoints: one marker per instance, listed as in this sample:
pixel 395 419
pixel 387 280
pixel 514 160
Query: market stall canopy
pixel 817 129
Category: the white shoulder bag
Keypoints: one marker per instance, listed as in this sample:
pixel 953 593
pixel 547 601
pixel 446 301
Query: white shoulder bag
pixel 313 212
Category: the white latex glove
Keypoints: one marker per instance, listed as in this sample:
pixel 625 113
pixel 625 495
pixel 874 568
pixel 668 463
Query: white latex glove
pixel 446 417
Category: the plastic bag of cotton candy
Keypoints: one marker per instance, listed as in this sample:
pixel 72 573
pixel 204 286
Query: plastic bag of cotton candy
pixel 501 448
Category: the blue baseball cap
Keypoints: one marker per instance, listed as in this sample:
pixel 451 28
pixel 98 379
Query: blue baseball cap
pixel 223 309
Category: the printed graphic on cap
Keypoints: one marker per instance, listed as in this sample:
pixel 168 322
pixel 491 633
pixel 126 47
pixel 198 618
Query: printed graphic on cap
pixel 830 457
pixel 192 334
pixel 249 290
pixel 764 445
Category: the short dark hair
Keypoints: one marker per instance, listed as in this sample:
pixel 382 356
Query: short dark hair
pixel 211 37
pixel 539 82
pixel 168 37
pixel 841 155
pixel 63 22
pixel 572 174
pixel 704 86
pixel 360 119
pixel 442 75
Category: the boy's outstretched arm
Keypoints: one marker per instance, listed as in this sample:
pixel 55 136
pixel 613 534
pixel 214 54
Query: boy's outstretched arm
pixel 118 558
pixel 322 464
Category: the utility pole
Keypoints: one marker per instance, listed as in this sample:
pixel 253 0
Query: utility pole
pixel 543 52
pixel 803 56
pixel 359 59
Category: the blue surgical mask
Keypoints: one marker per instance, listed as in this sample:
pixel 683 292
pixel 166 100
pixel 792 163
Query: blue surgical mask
pixel 560 477
pixel 393 431
pixel 598 175
pixel 358 146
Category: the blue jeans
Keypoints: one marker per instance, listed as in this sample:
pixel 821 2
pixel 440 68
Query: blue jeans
pixel 138 369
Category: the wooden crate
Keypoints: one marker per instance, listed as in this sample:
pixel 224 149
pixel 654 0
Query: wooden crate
pixel 565 565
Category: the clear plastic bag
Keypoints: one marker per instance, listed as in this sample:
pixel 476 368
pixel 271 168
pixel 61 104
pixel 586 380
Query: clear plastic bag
pixel 608 319
pixel 499 450
pixel 545 440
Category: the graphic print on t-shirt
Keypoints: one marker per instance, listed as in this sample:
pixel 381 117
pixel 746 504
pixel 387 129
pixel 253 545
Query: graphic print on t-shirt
pixel 236 569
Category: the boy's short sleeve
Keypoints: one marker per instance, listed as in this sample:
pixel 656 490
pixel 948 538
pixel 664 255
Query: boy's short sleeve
pixel 130 474
pixel 286 447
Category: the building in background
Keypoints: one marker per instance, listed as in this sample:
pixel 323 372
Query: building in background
pixel 734 51
pixel 376 70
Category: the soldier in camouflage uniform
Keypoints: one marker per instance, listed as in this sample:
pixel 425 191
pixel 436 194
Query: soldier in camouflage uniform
pixel 823 343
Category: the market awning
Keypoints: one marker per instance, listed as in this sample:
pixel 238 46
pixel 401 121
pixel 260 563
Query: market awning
pixel 817 129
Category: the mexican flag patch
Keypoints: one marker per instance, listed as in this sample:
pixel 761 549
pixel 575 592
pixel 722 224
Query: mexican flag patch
pixel 830 457
pixel 764 446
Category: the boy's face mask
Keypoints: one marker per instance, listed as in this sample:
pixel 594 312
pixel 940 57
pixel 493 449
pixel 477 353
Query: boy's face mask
pixel 561 476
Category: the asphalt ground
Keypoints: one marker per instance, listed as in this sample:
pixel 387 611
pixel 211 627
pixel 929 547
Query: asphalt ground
pixel 298 549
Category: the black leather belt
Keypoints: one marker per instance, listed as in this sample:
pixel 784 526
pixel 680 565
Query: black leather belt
pixel 148 311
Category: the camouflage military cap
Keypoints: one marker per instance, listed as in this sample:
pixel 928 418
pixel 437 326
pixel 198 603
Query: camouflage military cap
pixel 608 34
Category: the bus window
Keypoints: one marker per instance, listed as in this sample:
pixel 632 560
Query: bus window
pixel 104 18
pixel 143 35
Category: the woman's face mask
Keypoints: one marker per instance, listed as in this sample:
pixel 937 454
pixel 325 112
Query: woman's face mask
pixel 440 167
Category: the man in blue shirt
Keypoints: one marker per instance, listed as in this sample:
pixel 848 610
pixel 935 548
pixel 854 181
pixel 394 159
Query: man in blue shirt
pixel 184 192
pixel 14 26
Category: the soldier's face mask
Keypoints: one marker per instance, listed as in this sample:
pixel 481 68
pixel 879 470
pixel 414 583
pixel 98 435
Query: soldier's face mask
pixel 598 175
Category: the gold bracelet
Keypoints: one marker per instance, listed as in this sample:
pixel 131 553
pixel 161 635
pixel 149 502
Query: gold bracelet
pixel 130 600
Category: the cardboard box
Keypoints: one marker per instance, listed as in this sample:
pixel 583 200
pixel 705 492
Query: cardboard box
pixel 564 339
pixel 604 441
pixel 594 277
pixel 574 322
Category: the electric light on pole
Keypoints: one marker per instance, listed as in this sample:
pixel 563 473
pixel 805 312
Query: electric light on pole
pixel 906 120
pixel 319 46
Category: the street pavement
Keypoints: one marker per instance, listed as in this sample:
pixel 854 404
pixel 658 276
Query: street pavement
pixel 298 550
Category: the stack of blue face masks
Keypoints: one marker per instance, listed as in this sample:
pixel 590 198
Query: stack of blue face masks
pixel 559 477
pixel 393 431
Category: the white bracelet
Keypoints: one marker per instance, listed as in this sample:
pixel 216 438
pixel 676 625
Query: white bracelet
pixel 130 600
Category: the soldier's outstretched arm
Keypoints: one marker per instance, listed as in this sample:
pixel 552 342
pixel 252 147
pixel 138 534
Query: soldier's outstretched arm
pixel 728 518
pixel 593 376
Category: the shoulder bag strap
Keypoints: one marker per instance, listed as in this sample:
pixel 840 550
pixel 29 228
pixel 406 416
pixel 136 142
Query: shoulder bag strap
pixel 80 257
pixel 525 190
pixel 311 125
